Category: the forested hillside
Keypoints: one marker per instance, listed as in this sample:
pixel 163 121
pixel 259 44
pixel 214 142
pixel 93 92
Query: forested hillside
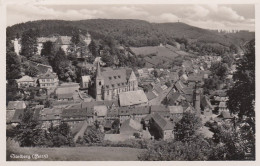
pixel 134 33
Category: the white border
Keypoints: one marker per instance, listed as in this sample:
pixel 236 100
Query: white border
pixel 3 4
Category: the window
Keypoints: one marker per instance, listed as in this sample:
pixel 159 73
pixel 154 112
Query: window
pixel 110 78
pixel 99 82
pixel 108 92
pixel 119 76
pixel 118 84
pixel 114 77
pixel 43 80
pixel 113 85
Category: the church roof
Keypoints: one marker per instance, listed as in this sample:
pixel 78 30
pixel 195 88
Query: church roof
pixel 132 98
pixel 115 78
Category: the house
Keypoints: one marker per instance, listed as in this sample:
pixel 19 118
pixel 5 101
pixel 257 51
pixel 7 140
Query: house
pixel 42 40
pixel 130 126
pixel 175 98
pixel 133 98
pixel 176 113
pixel 222 106
pixel 64 42
pixel 100 112
pixel 48 80
pixel 17 117
pixel 224 116
pixel 136 113
pixel 50 116
pixel 184 78
pixel 67 91
pixel 163 127
pixel 144 72
pixel 26 81
pixel 161 110
pixel 14 105
pixel 9 116
pixel 111 82
pixel 76 115
pixel 85 81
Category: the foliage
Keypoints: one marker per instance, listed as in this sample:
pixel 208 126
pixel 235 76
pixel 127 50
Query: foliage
pixel 12 91
pixel 242 94
pixel 211 84
pixel 63 67
pixel 13 64
pixel 28 42
pixel 196 149
pixel 93 135
pixel 187 126
pixel 139 33
pixel 219 69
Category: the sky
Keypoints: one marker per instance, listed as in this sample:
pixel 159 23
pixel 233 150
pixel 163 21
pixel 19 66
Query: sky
pixel 213 16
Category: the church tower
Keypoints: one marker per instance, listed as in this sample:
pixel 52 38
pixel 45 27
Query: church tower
pixel 99 84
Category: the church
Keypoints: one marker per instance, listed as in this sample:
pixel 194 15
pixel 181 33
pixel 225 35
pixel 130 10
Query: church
pixel 111 82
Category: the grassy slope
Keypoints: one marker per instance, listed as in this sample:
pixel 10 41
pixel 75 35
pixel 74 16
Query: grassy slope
pixel 80 153
pixel 166 54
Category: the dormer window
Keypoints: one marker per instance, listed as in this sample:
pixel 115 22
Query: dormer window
pixel 114 77
pixel 119 76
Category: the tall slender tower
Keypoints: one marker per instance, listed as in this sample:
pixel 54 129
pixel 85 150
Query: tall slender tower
pixel 99 83
pixel 196 100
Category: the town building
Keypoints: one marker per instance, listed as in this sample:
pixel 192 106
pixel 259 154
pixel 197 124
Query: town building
pixel 111 82
pixel 17 45
pixel 133 98
pixel 67 91
pixel 85 82
pixel 48 80
pixel 130 127
pixel 26 81
pixel 163 127
pixel 14 105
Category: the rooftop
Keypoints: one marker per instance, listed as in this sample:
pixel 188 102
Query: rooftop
pixel 132 98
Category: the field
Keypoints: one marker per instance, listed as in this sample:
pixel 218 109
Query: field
pixel 164 54
pixel 77 153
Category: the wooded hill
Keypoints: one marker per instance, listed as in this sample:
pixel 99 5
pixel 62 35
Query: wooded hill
pixel 131 32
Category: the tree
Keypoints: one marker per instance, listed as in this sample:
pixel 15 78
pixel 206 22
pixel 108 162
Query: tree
pixel 13 66
pixel 242 94
pixel 29 43
pixel 187 126
pixel 196 149
pixel 93 48
pixel 219 69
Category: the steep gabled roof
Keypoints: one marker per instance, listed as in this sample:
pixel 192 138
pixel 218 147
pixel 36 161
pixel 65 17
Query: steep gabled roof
pixel 163 123
pixel 25 79
pixel 48 75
